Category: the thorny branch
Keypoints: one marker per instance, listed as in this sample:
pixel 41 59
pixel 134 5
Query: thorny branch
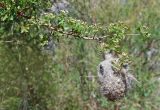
pixel 71 33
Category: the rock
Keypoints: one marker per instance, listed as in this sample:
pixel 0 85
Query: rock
pixel 50 47
pixel 59 6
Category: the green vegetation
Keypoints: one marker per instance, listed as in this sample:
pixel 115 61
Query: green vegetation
pixel 32 79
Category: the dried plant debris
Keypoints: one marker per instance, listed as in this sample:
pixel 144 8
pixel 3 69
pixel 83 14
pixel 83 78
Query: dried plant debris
pixel 114 83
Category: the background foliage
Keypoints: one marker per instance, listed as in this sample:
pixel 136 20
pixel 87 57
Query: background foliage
pixel 34 77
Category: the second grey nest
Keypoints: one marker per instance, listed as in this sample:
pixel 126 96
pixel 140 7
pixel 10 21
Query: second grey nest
pixel 114 85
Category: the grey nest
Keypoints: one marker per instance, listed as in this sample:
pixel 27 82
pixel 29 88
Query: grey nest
pixel 114 85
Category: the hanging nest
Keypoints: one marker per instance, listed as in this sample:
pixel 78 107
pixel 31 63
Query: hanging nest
pixel 114 84
pixel 113 88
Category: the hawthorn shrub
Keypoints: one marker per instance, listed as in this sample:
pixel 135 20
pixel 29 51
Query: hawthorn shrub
pixel 31 79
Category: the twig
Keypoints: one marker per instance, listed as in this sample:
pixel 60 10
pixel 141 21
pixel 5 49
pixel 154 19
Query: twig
pixel 74 34
pixel 132 34
pixel 116 107
pixel 6 41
